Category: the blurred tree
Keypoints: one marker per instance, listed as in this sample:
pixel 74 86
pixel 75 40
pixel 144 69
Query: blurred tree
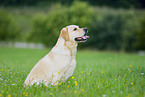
pixel 140 36
pixel 8 31
pixel 111 3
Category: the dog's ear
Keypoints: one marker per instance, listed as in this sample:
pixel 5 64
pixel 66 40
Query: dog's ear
pixel 64 34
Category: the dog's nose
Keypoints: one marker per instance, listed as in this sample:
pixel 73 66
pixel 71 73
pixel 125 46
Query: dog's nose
pixel 86 30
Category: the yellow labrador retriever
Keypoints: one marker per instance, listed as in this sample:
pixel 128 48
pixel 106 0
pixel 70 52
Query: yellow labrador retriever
pixel 58 65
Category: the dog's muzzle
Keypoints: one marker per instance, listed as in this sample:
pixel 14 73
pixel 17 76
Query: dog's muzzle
pixel 83 38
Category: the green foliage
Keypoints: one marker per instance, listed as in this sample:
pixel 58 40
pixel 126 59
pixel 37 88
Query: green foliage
pixel 47 28
pixel 140 36
pixel 111 3
pixel 114 31
pixel 8 31
pixel 108 29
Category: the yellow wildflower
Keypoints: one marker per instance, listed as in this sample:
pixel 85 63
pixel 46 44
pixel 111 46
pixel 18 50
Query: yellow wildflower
pixel 102 72
pixel 59 84
pixel 128 95
pixel 64 91
pixel 82 90
pixel 2 69
pixel 129 65
pixel 24 93
pixel 7 92
pixel 9 95
pixel 67 85
pixel 58 72
pixel 75 91
pixel 0 95
pixel 73 77
pixel 131 83
pixel 129 69
pixel 51 94
pixel 82 72
pixel 2 91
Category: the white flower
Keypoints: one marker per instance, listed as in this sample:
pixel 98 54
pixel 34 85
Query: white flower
pixel 104 95
pixel 142 73
pixel 13 84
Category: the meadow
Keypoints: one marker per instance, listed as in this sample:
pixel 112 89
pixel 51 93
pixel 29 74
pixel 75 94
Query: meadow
pixel 97 74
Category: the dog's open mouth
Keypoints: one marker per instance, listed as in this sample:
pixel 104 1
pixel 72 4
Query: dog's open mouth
pixel 81 39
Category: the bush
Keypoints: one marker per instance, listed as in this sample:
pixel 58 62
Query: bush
pixel 140 36
pixel 8 31
pixel 113 31
pixel 46 28
pixel 108 29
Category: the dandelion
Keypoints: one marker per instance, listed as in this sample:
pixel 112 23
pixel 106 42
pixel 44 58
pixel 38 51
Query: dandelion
pixel 2 91
pixel 58 72
pixel 102 72
pixel 129 69
pixel 2 69
pixel 64 91
pixel 0 95
pixel 82 90
pixel 24 93
pixel 9 95
pixel 82 72
pixel 128 95
pixel 73 77
pixel 131 83
pixel 75 91
pixel 7 92
pixel 51 94
pixel 68 86
pixel 59 84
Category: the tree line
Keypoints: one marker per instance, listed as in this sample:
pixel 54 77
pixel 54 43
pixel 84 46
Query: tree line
pixel 110 3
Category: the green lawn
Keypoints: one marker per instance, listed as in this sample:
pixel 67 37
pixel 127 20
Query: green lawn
pixel 97 74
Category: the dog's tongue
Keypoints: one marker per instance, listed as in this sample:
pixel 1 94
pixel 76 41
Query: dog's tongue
pixel 85 37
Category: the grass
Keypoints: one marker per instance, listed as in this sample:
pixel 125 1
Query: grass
pixel 97 74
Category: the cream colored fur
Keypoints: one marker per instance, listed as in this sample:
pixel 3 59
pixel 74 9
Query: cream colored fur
pixel 58 65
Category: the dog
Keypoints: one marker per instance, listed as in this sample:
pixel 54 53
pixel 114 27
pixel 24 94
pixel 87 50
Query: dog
pixel 58 65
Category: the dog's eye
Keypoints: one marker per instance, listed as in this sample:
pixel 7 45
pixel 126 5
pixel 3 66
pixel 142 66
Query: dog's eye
pixel 75 29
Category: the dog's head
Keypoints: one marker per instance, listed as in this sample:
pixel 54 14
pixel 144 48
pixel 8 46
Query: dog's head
pixel 74 34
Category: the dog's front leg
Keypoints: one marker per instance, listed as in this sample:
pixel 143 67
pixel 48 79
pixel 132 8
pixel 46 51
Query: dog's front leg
pixel 55 79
